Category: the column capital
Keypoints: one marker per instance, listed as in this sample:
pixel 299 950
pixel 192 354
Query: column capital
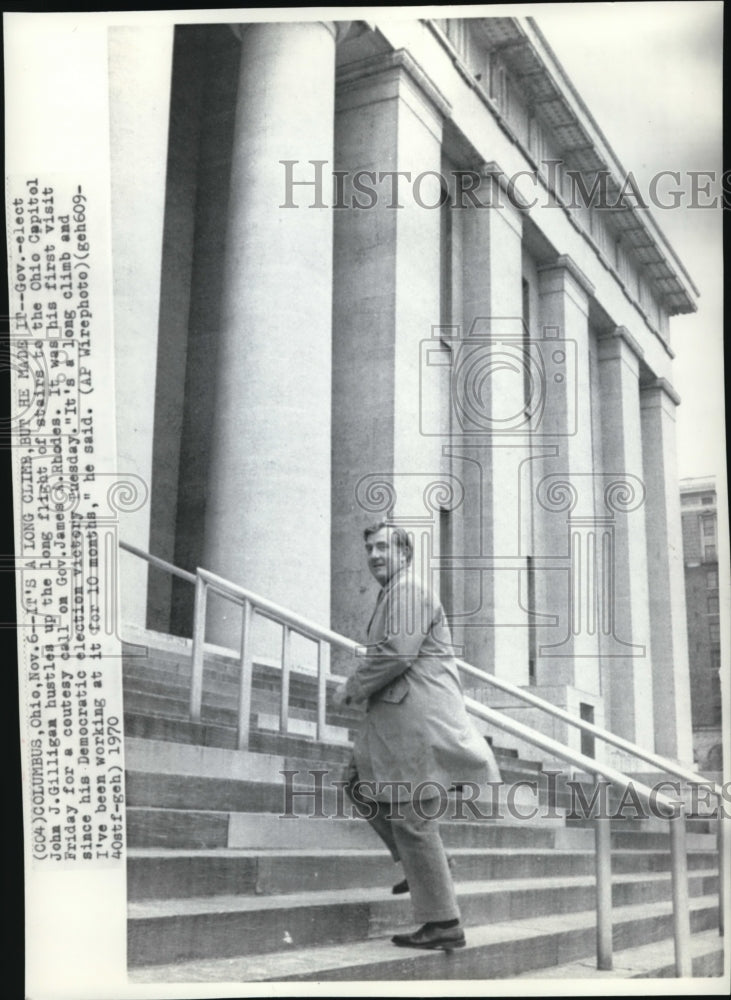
pixel 563 277
pixel 567 264
pixel 494 172
pixel 338 29
pixel 399 60
pixel 657 386
pixel 619 344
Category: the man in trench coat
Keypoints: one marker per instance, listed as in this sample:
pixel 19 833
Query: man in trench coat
pixel 416 740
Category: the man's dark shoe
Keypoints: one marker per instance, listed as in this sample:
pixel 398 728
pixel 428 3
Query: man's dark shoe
pixel 433 937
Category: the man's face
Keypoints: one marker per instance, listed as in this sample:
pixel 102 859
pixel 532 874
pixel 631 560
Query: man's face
pixel 385 556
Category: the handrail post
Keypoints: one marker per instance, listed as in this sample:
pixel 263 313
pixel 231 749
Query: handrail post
pixel 323 661
pixel 603 860
pixel 199 638
pixel 245 677
pixel 681 905
pixel 284 693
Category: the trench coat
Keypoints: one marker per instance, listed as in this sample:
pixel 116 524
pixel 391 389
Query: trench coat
pixel 416 728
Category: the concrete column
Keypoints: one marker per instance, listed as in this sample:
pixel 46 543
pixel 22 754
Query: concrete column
pixel 386 302
pixel 205 84
pixel 140 65
pixel 625 644
pixel 268 504
pixel 668 626
pixel 568 645
pixel 490 439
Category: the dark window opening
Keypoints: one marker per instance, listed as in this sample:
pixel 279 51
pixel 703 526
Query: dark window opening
pixel 587 740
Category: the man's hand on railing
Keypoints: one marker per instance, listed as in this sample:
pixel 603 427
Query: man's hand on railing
pixel 340 698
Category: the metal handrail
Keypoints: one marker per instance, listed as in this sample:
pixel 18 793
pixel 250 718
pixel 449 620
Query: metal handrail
pixel 325 637
pixel 158 562
pixel 277 613
pixel 662 763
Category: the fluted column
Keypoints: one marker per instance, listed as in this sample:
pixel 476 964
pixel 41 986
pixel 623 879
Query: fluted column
pixel 268 505
pixel 668 626
pixel 626 650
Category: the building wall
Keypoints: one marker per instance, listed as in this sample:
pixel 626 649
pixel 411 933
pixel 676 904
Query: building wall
pixel 701 588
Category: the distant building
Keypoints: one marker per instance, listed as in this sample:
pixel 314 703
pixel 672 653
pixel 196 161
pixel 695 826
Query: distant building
pixel 700 556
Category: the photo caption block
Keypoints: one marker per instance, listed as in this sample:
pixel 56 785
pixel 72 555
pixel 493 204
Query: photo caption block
pixel 68 502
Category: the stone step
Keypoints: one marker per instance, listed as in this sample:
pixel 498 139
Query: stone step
pixel 161 678
pixel 171 730
pixel 649 961
pixel 303 701
pixel 297 750
pixel 160 873
pixel 173 703
pixel 651 841
pixel 249 826
pixel 161 717
pixel 174 662
pixel 187 760
pixel 651 824
pixel 253 925
pixel 174 828
pixel 302 792
pixel 301 720
pixel 297 726
pixel 265 696
pixel 226 663
pixel 494 950
pixel 176 775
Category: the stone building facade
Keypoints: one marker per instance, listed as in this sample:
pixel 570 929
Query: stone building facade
pixel 394 269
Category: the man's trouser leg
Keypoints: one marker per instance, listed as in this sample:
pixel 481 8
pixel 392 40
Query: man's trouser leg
pixel 425 863
pixel 415 841
pixel 377 819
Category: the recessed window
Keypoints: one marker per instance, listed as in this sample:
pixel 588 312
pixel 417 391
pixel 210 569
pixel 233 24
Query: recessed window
pixel 587 739
pixel 709 553
pixel 712 605
pixel 716 658
pixel 712 579
pixel 714 631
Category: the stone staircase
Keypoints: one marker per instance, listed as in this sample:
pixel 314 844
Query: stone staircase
pixel 222 887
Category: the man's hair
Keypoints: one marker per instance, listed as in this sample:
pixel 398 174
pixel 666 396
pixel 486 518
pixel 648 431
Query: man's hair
pixel 400 534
